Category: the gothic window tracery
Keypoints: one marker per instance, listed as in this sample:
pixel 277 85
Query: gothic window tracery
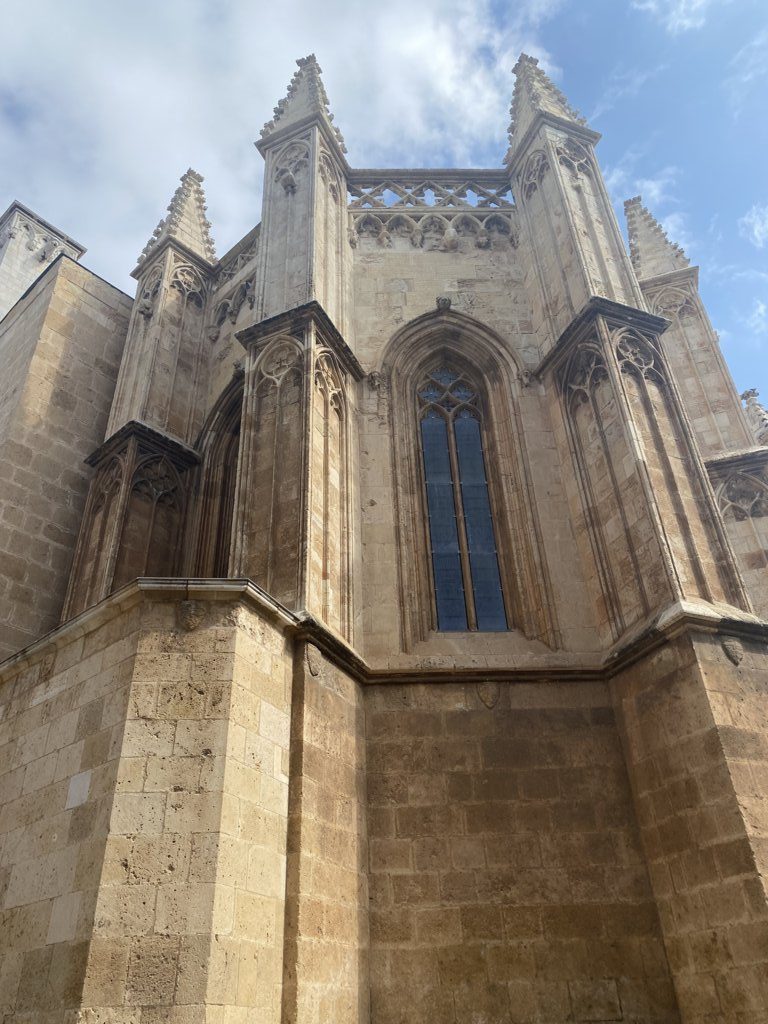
pixel 743 496
pixel 534 173
pixel 465 568
pixel 151 532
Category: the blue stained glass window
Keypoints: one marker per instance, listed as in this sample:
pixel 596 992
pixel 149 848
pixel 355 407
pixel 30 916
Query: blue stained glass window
pixel 481 543
pixel 443 529
pixel 465 566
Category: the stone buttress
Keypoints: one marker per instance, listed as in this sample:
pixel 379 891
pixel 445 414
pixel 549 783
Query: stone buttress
pixel 259 773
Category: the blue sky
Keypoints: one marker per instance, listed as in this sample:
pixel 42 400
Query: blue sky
pixel 104 105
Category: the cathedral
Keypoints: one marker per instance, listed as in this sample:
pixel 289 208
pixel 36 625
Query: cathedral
pixel 383 607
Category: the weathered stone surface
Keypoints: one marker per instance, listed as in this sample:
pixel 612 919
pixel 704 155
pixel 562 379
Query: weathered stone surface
pixel 256 775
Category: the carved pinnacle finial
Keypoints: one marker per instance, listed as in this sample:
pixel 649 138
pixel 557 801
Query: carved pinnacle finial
pixel 306 96
pixel 650 250
pixel 186 220
pixel 535 93
pixel 757 415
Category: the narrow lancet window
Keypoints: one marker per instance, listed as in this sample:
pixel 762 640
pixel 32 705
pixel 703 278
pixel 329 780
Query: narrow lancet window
pixel 465 566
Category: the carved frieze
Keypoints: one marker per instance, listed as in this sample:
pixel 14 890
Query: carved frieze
pixel 43 244
pixel 443 231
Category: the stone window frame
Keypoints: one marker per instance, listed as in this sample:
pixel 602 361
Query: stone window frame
pixel 475 405
pixel 478 351
pixel 214 443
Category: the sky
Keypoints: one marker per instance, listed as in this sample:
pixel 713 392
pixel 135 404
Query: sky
pixel 103 105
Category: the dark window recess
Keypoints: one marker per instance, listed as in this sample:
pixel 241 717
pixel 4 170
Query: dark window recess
pixel 465 567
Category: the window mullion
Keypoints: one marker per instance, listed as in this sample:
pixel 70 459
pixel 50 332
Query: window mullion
pixel 469 597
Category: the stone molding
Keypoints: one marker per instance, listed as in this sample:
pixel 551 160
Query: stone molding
pixel 674 620
pixel 293 322
pixel 20 216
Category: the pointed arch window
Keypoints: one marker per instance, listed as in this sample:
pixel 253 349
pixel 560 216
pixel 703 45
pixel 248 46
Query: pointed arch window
pixel 465 565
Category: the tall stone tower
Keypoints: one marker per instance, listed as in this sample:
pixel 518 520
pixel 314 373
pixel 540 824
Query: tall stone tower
pixel 384 608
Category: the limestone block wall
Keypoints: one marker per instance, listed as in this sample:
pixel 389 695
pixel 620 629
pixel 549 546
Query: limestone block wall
pixel 700 372
pixel 524 451
pixel 326 968
pixel 694 732
pixel 143 821
pixel 393 285
pixel 61 727
pixel 19 333
pixel 507 882
pixel 62 346
pixel 190 908
pixel 749 540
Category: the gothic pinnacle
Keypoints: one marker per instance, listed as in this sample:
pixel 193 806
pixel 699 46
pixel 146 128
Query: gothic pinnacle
pixel 306 96
pixel 185 220
pixel 650 250
pixel 535 94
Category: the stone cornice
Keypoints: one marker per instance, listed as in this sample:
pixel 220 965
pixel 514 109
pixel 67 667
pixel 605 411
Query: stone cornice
pixel 672 277
pixel 298 128
pixel 745 460
pixel 581 324
pixel 17 207
pixel 294 321
pixel 675 620
pixel 520 148
pixel 209 269
pixel 157 440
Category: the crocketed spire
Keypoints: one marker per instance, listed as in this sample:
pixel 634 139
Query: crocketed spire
pixel 306 96
pixel 650 250
pixel 185 221
pixel 535 94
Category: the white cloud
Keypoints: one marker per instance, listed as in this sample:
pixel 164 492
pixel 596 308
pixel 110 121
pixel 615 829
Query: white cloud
pixel 659 188
pixel 757 321
pixel 103 106
pixel 754 225
pixel 676 227
pixel 658 191
pixel 748 68
pixel 678 15
pixel 623 85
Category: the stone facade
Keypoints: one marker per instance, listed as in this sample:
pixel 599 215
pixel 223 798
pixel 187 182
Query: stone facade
pixel 383 607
